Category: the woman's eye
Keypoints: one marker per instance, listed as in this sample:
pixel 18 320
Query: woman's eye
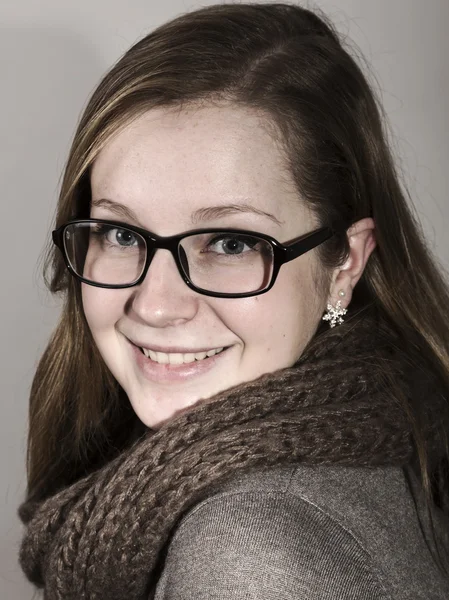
pixel 123 237
pixel 117 237
pixel 232 245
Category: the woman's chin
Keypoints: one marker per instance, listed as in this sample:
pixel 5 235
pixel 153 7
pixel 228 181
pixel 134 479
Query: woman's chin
pixel 155 409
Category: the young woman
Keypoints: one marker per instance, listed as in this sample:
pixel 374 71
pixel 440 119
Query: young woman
pixel 247 393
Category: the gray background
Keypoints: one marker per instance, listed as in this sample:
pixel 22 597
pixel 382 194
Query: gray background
pixel 52 54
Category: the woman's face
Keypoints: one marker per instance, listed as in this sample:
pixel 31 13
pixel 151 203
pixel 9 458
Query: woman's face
pixel 164 168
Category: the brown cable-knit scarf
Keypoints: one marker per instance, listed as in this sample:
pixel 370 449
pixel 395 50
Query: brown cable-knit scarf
pixel 103 536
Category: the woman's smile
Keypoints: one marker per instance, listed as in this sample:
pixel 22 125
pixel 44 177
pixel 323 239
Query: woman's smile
pixel 179 358
pixel 173 367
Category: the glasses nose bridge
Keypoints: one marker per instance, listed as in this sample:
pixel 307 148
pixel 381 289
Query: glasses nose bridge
pixel 153 244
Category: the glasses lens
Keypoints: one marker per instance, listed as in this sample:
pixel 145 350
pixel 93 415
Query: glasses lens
pixel 227 263
pixel 105 254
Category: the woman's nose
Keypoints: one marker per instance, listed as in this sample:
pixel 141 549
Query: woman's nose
pixel 163 298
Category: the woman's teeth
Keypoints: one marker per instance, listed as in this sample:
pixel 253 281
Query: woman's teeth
pixel 179 359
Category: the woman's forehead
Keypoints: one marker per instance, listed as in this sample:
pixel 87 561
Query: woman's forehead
pixel 215 144
pixel 184 161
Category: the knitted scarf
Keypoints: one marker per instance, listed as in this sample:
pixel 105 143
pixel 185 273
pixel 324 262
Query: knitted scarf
pixel 103 537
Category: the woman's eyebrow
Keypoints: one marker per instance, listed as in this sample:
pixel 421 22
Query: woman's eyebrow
pixel 214 212
pixel 206 213
pixel 116 207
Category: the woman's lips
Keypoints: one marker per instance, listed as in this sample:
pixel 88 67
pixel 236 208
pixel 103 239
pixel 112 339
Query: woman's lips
pixel 160 373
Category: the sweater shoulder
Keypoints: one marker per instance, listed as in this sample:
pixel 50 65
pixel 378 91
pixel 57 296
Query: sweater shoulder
pixel 264 544
pixel 302 532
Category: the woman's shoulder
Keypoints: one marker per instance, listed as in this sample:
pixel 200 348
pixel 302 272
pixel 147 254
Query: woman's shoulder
pixel 302 531
pixel 351 496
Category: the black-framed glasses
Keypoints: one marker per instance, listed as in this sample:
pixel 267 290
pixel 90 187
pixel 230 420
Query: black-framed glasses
pixel 219 262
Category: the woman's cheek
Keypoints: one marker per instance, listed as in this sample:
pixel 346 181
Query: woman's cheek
pixel 102 307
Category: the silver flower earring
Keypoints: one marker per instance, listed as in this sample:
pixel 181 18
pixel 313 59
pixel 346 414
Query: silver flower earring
pixel 334 314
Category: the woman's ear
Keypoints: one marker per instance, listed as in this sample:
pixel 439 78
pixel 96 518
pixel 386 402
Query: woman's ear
pixel 362 242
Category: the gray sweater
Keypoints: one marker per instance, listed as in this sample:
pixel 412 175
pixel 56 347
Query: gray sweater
pixel 308 533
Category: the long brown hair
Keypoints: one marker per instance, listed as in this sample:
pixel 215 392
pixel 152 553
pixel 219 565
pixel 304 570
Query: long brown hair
pixel 289 64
